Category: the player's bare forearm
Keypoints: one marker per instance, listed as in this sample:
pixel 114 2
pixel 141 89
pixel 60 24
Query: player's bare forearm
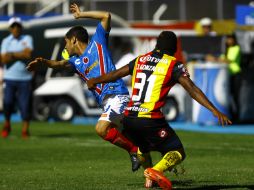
pixel 32 66
pixel 201 98
pixel 109 77
pixel 196 93
pixel 103 16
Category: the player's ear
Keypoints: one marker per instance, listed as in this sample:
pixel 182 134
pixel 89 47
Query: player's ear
pixel 73 40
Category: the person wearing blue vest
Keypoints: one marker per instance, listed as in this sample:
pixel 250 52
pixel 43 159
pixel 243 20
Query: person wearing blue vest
pixel 16 50
pixel 91 59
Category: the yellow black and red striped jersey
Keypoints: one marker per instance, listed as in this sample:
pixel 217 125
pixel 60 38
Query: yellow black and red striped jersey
pixel 153 75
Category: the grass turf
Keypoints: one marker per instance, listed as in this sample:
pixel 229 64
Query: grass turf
pixel 65 157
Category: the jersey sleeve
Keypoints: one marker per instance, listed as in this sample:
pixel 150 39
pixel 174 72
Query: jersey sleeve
pixel 29 42
pixel 100 35
pixel 4 46
pixel 179 70
pixel 74 60
pixel 132 65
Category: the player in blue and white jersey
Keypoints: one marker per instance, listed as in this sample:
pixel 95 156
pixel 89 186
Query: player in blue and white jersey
pixel 92 59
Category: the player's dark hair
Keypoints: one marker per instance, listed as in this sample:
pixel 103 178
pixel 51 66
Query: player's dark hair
pixel 167 41
pixel 79 32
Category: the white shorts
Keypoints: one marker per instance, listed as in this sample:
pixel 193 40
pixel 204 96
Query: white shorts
pixel 113 108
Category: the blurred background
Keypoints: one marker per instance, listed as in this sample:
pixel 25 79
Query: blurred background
pixel 202 26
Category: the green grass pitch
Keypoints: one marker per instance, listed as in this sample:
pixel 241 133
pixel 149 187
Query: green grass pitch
pixel 72 157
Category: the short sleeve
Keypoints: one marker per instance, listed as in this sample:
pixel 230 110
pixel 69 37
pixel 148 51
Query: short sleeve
pixel 73 61
pixel 29 42
pixel 131 66
pixel 179 70
pixel 4 46
pixel 100 35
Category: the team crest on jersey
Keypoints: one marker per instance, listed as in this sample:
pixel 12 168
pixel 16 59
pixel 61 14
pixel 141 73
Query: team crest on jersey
pixel 163 133
pixel 85 60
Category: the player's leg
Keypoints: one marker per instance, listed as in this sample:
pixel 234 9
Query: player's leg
pixel 165 140
pixel 109 124
pixel 170 160
pixel 109 132
pixel 24 95
pixel 8 105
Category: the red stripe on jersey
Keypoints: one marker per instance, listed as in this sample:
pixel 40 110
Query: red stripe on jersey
pixel 101 60
pixel 166 86
pixel 98 90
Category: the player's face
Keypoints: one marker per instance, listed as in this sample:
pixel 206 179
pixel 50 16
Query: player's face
pixel 69 46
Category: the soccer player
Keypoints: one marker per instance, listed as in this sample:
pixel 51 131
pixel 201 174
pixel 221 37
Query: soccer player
pixel 153 75
pixel 91 60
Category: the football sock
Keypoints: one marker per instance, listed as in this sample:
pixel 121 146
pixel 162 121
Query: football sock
pixel 169 160
pixel 116 138
pixel 145 159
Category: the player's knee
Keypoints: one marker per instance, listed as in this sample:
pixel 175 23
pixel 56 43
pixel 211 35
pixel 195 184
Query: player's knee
pixel 101 130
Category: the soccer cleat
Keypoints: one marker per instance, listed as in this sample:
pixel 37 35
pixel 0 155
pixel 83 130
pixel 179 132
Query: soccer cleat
pixel 6 131
pixel 135 162
pixel 159 178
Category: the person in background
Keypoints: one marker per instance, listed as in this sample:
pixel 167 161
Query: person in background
pixel 16 50
pixel 232 57
pixel 206 25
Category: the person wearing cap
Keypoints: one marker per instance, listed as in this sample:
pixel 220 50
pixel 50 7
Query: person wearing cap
pixel 206 24
pixel 16 50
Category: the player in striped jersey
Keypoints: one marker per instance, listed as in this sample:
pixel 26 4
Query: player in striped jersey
pixel 92 60
pixel 153 75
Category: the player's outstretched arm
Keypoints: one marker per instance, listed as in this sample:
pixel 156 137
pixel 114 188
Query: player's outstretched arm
pixel 201 98
pixel 33 65
pixel 103 16
pixel 109 77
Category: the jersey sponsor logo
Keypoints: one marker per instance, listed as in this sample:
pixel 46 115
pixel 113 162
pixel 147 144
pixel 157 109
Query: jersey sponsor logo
pixel 77 61
pixel 138 109
pixel 152 59
pixel 91 67
pixel 150 68
pixel 85 60
pixel 163 133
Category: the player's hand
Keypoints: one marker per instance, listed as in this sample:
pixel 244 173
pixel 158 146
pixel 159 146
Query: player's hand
pixel 32 66
pixel 223 119
pixel 75 10
pixel 91 84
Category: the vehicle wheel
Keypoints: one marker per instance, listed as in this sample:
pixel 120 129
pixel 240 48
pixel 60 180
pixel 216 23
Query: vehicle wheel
pixel 41 110
pixel 63 110
pixel 170 109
